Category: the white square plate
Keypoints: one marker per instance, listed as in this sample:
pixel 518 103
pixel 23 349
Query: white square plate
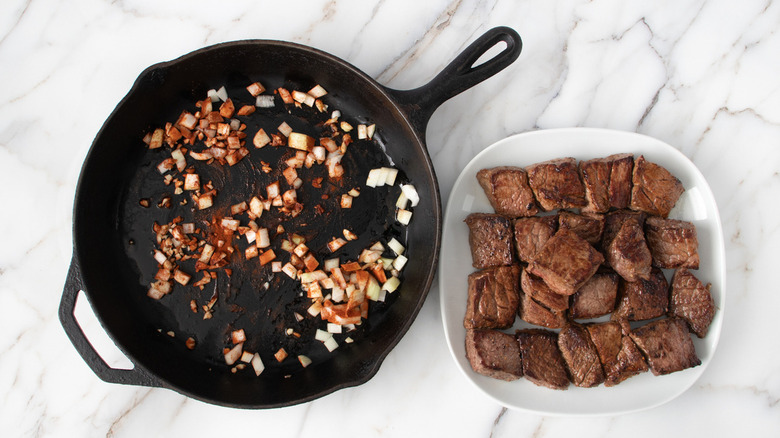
pixel 696 205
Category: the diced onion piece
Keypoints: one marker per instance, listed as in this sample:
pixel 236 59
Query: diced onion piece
pixel 230 223
pixel 304 360
pixel 255 89
pixel 261 139
pixel 290 270
pixel 373 177
pixel 280 355
pixel 317 91
pixel 267 257
pixel 238 336
pixel 250 252
pixel 399 262
pixel 205 256
pixel 296 140
pixel 181 277
pixel 392 173
pixel 301 250
pixel 311 262
pixel 256 206
pixel 391 284
pixel 201 156
pixel 265 101
pixel 346 127
pixel 411 194
pixel 304 98
pixel 337 293
pixel 238 208
pixel 386 263
pixel 263 239
pixel 234 354
pixel 315 308
pixel 257 364
pixel 354 192
pixel 349 235
pixel 404 216
pixel 212 94
pixel 314 276
pixel 322 335
pixel 370 129
pixel 362 134
pixel 329 144
pixel 205 201
pixel 372 289
pixel 246 357
pixel 159 256
pixel 285 129
pixel 222 94
pixel 331 344
pixel 276 266
pixel 181 161
pixel 188 228
pixel 334 328
pixel 396 246
pixel 191 181
pixel 330 264
pixel 272 190
pixel 336 243
pixel 157 138
pixel 402 201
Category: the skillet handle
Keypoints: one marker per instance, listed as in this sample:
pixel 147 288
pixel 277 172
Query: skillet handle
pixel 460 75
pixel 135 376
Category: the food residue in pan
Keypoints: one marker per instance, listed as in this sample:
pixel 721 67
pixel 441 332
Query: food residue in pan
pixel 299 181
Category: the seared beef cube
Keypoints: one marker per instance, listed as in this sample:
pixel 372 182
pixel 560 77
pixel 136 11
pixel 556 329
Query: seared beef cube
pixel 613 221
pixel 531 233
pixel 556 184
pixel 537 289
pixel 655 190
pixel 490 239
pixel 672 243
pixel 493 297
pixel 588 226
pixel 607 182
pixel 643 299
pixel 508 191
pixel 667 345
pixel 628 254
pixel 532 312
pixel 691 300
pixel 619 355
pixel 494 354
pixel 542 361
pixel 565 262
pixel 596 297
pixel 580 356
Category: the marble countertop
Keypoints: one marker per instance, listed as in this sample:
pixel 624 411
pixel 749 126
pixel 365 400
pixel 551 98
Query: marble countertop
pixel 699 75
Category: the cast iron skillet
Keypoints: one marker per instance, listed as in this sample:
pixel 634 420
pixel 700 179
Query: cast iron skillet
pixel 102 265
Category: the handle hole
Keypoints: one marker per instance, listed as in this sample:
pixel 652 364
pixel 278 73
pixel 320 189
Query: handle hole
pixel 97 336
pixel 490 53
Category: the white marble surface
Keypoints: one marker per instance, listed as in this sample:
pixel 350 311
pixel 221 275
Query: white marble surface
pixel 699 75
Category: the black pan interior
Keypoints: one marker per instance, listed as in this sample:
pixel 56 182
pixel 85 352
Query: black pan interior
pixel 106 221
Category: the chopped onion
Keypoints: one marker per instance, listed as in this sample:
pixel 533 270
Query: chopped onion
pixel 349 235
pixel 322 335
pixel 373 177
pixel 255 89
pixel 246 357
pixel 234 354
pixel 362 134
pixel 181 277
pixel 212 94
pixel 330 264
pixel 391 284
pixel 263 239
pixel 315 308
pixel 238 336
pixel 336 243
pixel 392 173
pixel 256 206
pixel 331 344
pixel 296 140
pixel 265 101
pixel 157 139
pixel 334 328
pixel 280 355
pixel 285 129
pixel 396 246
pixel 317 91
pixel 257 364
pixel 304 360
pixel 267 257
pixel 276 266
pixel 290 270
pixel 399 262
pixel 370 129
pixel 222 94
pixel 411 193
pixel 404 216
pixel 181 162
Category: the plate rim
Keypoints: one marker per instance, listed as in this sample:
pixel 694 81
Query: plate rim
pixel 593 134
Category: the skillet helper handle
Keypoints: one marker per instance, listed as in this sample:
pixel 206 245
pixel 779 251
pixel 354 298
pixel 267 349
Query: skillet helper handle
pixel 460 74
pixel 74 284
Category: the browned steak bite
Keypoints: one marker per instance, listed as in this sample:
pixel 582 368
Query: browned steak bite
pixel 508 191
pixel 607 182
pixel 667 345
pixel 672 243
pixel 490 239
pixel 565 262
pixel 643 299
pixel 628 253
pixel 596 297
pixel 619 355
pixel 691 300
pixel 537 289
pixel 580 356
pixel 655 190
pixel 494 354
pixel 493 297
pixel 532 312
pixel 614 220
pixel 542 361
pixel 589 226
pixel 556 184
pixel 531 233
